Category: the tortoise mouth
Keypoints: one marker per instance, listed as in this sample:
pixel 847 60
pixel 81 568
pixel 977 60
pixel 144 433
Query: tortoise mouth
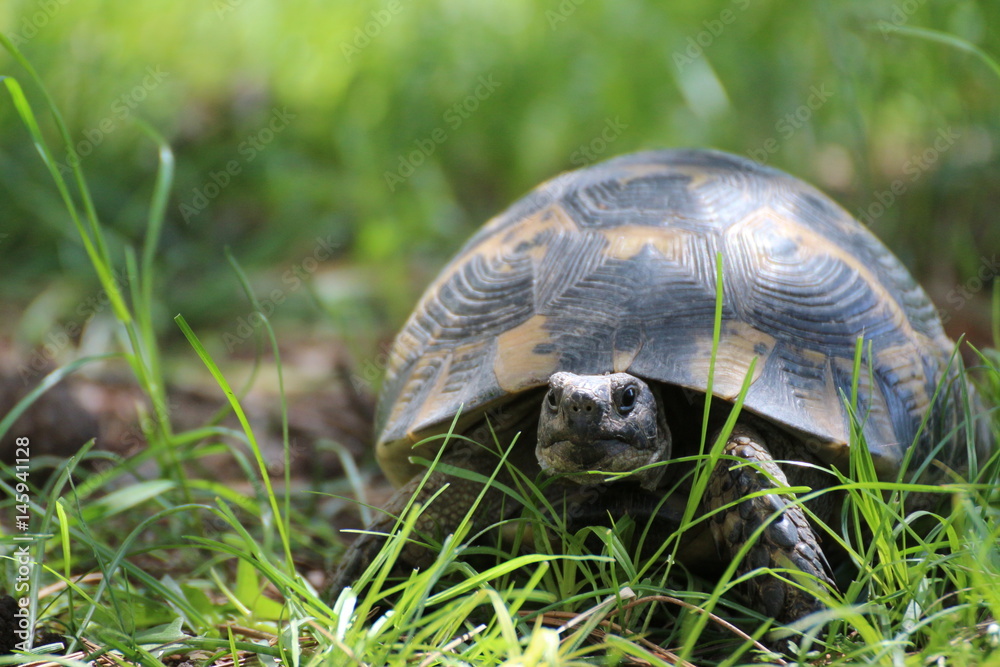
pixel 605 455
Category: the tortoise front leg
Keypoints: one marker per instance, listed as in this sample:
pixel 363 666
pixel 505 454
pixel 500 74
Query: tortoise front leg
pixel 443 516
pixel 787 541
pixel 439 519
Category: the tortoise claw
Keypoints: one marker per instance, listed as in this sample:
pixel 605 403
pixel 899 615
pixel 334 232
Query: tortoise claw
pixel 786 541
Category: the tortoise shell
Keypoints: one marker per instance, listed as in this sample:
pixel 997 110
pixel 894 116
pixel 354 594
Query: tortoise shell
pixel 613 268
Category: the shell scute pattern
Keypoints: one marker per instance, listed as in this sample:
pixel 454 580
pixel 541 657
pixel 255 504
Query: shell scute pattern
pixel 613 268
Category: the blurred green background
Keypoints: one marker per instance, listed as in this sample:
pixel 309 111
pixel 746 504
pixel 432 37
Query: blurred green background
pixel 344 150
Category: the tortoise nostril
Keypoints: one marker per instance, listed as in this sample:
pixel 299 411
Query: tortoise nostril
pixel 581 405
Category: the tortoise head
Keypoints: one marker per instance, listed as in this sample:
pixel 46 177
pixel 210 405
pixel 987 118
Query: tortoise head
pixel 608 423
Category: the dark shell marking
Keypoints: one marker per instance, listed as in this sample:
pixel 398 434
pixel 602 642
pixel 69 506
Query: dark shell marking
pixel 613 268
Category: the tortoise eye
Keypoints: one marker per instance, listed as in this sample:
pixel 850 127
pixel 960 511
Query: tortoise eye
pixel 627 401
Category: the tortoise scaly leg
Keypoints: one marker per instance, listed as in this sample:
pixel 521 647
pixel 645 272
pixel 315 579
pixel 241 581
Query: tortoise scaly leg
pixel 437 520
pixel 457 494
pixel 454 498
pixel 788 541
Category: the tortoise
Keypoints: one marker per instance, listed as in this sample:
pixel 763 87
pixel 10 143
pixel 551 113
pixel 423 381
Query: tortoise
pixel 582 319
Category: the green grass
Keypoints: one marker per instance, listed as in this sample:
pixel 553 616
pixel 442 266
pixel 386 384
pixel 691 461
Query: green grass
pixel 179 565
